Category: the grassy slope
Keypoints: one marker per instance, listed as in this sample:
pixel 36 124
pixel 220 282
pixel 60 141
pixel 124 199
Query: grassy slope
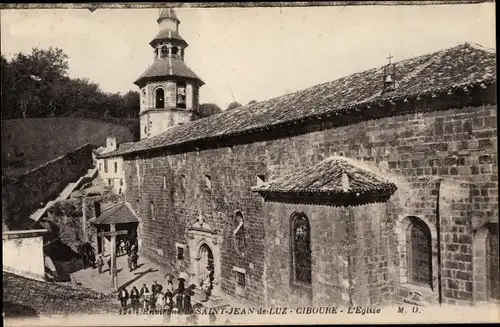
pixel 44 139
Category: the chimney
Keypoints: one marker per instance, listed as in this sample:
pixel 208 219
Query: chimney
pixel 110 143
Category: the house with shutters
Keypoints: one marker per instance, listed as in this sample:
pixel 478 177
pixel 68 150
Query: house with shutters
pixel 377 188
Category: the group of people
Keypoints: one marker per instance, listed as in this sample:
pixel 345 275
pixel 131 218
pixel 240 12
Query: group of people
pixel 125 247
pixel 167 301
pixel 87 254
pixel 132 259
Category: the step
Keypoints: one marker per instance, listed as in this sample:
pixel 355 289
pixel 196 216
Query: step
pixel 214 301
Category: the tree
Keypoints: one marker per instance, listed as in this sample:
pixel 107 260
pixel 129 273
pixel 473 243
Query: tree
pixel 233 105
pixel 252 102
pixel 208 109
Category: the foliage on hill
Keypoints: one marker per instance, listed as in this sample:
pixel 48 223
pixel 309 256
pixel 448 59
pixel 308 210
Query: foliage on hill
pixel 28 143
pixel 208 109
pixel 37 85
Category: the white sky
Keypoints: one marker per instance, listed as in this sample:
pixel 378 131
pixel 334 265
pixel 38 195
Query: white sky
pixel 260 53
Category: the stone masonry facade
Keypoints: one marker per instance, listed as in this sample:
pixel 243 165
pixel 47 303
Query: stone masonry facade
pixel 444 164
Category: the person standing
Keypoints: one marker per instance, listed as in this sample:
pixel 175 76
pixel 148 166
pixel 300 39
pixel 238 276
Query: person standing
pixel 123 297
pixel 92 258
pixel 134 299
pixel 130 262
pixel 100 264
pixel 135 257
pixel 144 289
pixel 127 246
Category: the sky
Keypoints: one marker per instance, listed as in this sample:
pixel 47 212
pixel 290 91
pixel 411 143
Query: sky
pixel 245 54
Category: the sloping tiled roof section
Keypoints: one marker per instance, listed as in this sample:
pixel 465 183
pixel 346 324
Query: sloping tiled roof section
pixel 120 213
pixel 168 67
pixel 332 175
pixel 465 64
pixel 168 35
pixel 168 13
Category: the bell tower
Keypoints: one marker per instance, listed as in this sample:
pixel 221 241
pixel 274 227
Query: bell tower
pixel 169 88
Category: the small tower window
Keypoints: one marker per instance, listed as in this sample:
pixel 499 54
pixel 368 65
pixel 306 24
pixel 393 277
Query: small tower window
pixel 143 96
pixel 181 95
pixel 163 52
pixel 160 98
pixel 174 51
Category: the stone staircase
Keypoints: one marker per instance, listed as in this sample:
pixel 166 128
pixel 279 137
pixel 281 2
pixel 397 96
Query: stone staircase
pixel 214 301
pixel 70 188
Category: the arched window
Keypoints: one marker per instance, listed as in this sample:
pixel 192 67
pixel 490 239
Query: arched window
pixel 239 231
pixel 163 52
pixel 160 98
pixel 152 210
pixel 174 51
pixel 492 265
pixel 301 249
pixel 419 253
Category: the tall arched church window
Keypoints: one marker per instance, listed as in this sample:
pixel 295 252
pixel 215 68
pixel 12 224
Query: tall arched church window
pixel 181 95
pixel 492 266
pixel 419 253
pixel 160 98
pixel 152 210
pixel 239 232
pixel 301 249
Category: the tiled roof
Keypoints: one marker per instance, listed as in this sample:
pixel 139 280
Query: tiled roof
pixel 333 175
pixel 117 214
pixel 448 69
pixel 168 67
pixel 168 35
pixel 168 13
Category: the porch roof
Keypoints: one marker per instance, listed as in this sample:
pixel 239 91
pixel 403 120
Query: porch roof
pixel 120 213
pixel 334 175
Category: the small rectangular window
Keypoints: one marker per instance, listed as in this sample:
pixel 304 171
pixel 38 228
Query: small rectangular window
pixel 116 167
pixel 180 248
pixel 240 278
pixel 105 166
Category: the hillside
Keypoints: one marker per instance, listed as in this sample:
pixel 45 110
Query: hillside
pixel 28 143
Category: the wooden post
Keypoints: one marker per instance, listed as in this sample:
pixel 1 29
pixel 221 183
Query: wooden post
pixel 114 274
pixel 103 243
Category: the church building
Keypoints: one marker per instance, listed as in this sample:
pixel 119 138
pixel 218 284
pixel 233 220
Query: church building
pixel 373 189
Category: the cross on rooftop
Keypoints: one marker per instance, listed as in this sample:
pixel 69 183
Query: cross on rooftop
pixel 390 57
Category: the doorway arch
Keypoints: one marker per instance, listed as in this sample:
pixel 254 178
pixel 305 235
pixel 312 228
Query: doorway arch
pixel 206 258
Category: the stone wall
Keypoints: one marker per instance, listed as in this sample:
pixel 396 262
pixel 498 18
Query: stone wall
pixel 416 151
pixel 349 263
pixel 27 192
pixel 23 253
pixel 64 220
